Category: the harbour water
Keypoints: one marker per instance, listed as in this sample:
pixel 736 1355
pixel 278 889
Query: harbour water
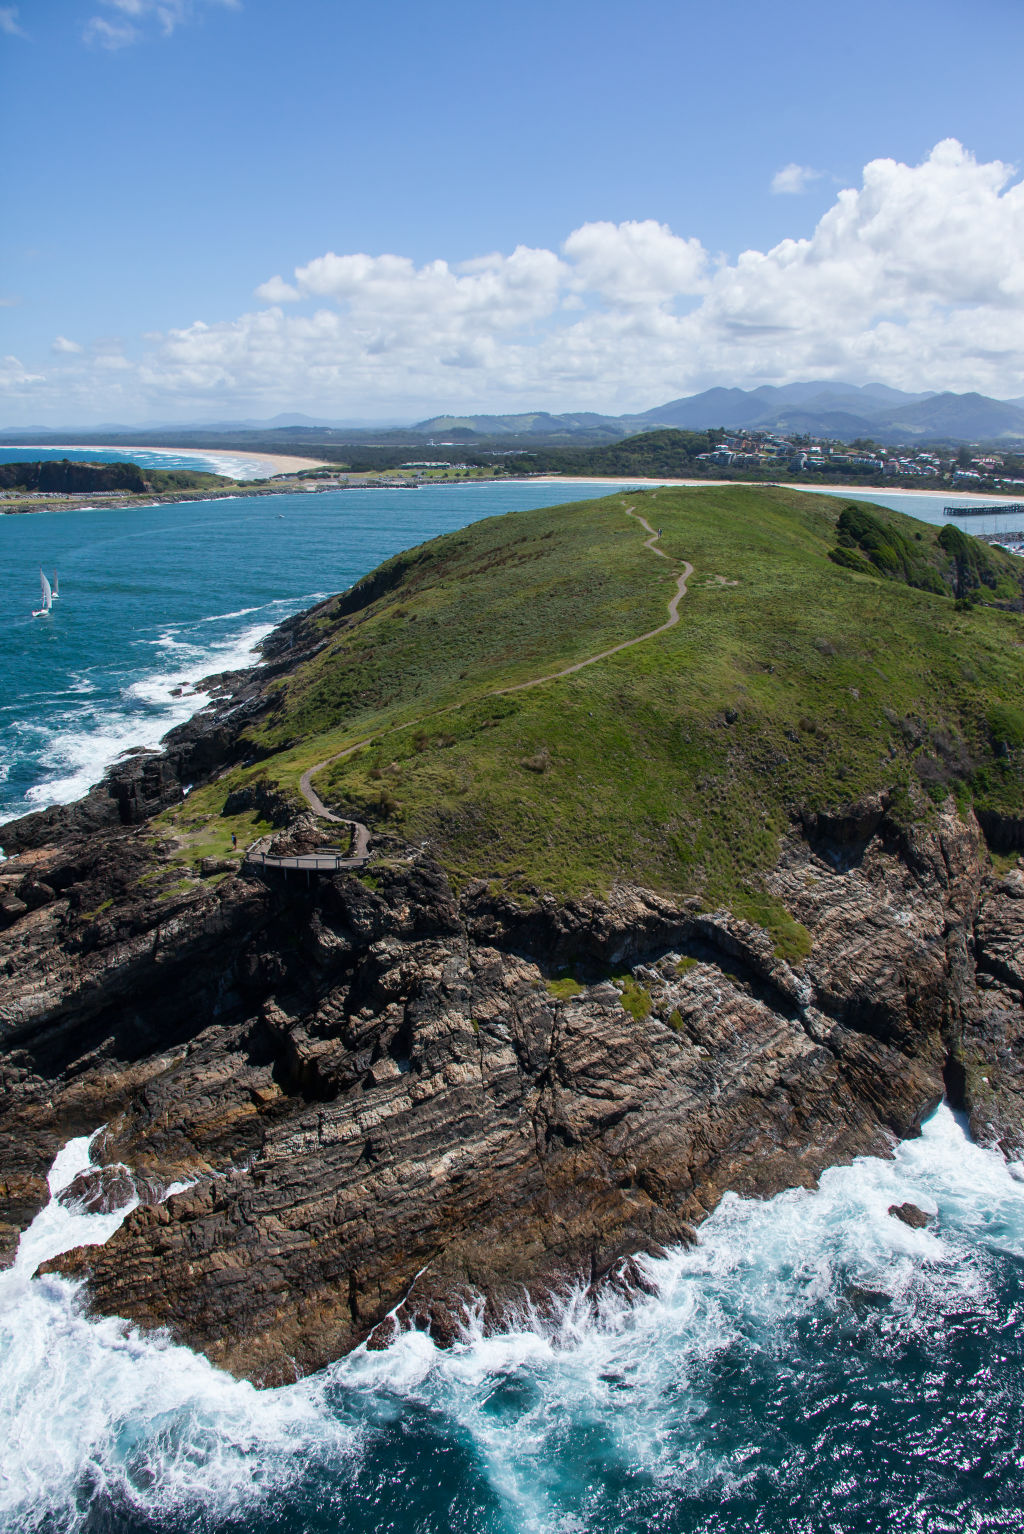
pixel 812 1365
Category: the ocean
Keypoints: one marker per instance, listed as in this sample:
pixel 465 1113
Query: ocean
pixel 813 1366
pixel 155 598
pixel 234 465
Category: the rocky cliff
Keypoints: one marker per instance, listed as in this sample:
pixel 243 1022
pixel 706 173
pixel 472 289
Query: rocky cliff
pixel 455 1077
pixel 389 1100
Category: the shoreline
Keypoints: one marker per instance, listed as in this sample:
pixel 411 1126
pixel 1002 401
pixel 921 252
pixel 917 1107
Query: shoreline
pixel 852 490
pixel 282 463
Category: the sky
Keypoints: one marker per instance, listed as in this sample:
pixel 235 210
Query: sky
pixel 226 209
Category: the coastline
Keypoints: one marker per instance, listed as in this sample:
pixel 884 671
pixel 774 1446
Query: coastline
pixel 279 463
pixel 852 490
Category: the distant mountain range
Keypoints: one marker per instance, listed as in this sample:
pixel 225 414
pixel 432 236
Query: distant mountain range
pixel 817 409
pixel 845 411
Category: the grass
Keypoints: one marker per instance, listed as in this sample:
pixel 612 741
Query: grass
pixel 564 989
pixel 635 999
pixel 197 829
pixel 791 682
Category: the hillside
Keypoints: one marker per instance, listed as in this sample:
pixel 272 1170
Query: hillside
pixel 709 913
pixel 792 685
pixel 65 477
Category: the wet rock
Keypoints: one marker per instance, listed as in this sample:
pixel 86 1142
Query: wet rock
pixel 911 1215
pixel 100 1190
pixel 385 1109
pixel 861 1297
pixel 10 909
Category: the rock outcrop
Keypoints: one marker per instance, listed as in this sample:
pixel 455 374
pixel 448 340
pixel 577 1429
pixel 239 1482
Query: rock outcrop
pixel 387 1098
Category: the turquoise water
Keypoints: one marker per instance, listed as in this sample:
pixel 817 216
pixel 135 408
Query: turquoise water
pixel 234 465
pixel 812 1367
pixel 153 599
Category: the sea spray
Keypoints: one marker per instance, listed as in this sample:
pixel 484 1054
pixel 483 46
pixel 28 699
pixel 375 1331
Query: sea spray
pixel 98 1422
pixel 153 598
pixel 812 1364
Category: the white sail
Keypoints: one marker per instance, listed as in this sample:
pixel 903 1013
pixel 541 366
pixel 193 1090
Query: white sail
pixel 47 596
pixel 55 588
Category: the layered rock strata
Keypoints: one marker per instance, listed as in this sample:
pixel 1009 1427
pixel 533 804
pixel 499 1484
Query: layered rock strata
pixel 390 1099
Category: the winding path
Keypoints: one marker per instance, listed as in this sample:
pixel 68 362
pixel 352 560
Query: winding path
pixel 359 851
pixel 673 617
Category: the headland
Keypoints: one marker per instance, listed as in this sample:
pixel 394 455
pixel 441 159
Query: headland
pixel 654 910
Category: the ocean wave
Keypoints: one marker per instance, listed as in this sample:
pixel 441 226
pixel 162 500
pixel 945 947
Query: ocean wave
pixel 72 750
pixel 614 1418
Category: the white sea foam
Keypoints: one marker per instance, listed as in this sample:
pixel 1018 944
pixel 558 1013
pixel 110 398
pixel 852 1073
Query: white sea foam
pixel 630 1377
pixel 91 1410
pixel 73 748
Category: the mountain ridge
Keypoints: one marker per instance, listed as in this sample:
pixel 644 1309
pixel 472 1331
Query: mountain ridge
pixel 814 408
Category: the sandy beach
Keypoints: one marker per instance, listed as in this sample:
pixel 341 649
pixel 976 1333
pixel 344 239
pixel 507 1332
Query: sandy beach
pixel 852 490
pixel 276 463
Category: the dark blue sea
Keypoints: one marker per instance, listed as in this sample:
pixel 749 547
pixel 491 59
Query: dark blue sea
pixel 813 1366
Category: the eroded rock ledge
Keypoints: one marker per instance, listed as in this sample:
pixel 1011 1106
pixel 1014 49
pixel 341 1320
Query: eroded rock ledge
pixel 371 1079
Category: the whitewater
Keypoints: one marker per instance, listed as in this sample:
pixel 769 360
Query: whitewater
pixel 812 1365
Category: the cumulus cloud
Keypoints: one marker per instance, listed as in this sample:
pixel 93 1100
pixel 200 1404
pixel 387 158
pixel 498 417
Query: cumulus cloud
pixel 63 347
pixel 793 179
pixel 914 278
pixel 134 18
pixel 635 265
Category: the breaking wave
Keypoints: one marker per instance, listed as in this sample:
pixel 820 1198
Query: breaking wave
pixel 812 1364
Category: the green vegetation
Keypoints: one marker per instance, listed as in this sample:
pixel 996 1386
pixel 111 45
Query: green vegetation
pixel 791 683
pixel 667 454
pixel 635 999
pixel 64 477
pixel 948 563
pixel 564 989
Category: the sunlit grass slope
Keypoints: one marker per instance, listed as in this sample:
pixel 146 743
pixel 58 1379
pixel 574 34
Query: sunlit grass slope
pixel 791 682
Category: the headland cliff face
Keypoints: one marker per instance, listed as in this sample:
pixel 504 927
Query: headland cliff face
pixel 398 1092
pixel 386 1107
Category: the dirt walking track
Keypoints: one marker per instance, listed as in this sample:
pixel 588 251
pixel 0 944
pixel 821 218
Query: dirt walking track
pixel 360 833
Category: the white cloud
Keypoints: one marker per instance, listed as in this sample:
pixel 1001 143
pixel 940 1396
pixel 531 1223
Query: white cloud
pixel 63 347
pixel 914 278
pixel 110 34
pixel 9 21
pixel 276 291
pixel 793 179
pixel 635 264
pixel 134 15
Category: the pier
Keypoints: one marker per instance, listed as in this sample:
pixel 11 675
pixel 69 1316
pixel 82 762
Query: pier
pixel 1000 509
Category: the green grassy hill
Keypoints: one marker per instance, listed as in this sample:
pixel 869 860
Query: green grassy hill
pixel 792 682
pixel 66 477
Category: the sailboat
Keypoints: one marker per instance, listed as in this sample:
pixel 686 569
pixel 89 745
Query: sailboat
pixel 47 598
pixel 55 588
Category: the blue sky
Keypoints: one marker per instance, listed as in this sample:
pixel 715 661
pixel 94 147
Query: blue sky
pixel 168 158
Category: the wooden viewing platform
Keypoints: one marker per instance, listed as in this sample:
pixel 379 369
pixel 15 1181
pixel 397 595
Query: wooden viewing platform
pixel 325 860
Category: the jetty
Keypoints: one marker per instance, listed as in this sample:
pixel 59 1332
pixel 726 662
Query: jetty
pixel 1000 509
